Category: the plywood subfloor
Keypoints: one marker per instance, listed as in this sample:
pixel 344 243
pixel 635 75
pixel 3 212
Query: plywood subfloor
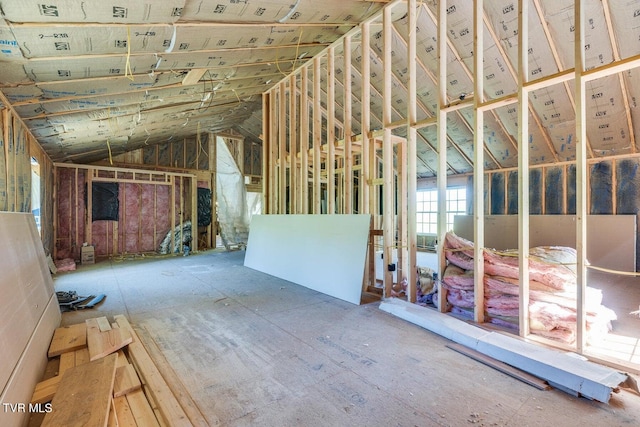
pixel 260 351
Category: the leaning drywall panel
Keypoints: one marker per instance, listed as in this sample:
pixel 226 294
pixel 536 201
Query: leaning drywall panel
pixel 31 366
pixel 27 291
pixel 611 238
pixel 325 253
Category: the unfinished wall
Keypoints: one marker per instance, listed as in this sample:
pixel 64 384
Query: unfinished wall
pixel 146 211
pixel 612 189
pixel 17 147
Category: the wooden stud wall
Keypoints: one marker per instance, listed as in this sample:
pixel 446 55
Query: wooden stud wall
pixel 17 147
pixel 182 195
pixel 332 159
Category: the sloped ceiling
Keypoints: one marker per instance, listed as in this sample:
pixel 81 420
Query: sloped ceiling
pixel 84 73
pixel 87 76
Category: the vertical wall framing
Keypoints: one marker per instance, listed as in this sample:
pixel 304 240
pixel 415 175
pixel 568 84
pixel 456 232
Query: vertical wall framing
pixel 364 159
pixel 478 161
pixel 523 165
pixel 442 148
pixel 581 175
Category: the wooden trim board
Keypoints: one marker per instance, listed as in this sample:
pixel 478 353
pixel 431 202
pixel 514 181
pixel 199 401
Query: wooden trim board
pixel 586 378
pixel 325 253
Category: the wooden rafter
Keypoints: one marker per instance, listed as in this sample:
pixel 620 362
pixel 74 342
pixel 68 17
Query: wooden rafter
pixel 623 83
pixel 558 61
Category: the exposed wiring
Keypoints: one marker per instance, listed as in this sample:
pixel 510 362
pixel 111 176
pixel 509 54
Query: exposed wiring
pixel 109 148
pixel 127 68
pixel 293 66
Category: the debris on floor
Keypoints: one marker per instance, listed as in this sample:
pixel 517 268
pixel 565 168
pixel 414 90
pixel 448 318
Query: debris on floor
pixel 70 301
pixel 107 377
pixel 181 236
pixel 552 290
pixel 66 264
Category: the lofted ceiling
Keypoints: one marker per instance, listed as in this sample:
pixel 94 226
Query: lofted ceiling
pixel 88 76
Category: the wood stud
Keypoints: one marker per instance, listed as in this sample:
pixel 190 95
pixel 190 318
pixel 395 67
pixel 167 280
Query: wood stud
pixel 377 155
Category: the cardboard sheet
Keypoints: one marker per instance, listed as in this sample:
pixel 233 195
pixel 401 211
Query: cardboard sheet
pixel 325 253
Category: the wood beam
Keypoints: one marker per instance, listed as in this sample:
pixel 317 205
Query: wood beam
pixel 478 160
pixel 317 138
pixel 523 166
pixel 581 175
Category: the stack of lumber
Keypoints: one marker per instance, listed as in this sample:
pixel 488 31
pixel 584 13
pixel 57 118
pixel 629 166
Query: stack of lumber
pixel 106 377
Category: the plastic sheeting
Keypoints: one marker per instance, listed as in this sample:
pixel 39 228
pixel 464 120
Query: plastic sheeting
pixel 104 205
pixel 233 217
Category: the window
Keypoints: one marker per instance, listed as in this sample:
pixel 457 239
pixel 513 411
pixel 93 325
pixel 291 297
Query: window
pixel 427 209
pixel 35 191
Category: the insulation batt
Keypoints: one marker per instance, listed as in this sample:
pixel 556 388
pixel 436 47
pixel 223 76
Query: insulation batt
pixel 457 278
pixel 459 251
pixel 552 290
pixel 548 265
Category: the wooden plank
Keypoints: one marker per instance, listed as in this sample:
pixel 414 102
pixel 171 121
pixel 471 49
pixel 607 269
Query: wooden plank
pixel 123 412
pixel 101 344
pixel 68 338
pixel 122 359
pixel 103 324
pixel 155 384
pixel 112 420
pixel 84 395
pixel 501 366
pixel 45 390
pixel 126 381
pixel 173 380
pixel 82 356
pixel 141 409
pixel 67 361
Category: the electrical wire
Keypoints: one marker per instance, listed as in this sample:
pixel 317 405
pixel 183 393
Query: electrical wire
pixel 127 68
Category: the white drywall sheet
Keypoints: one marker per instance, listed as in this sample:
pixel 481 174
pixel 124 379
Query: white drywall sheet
pixel 29 312
pixel 611 239
pixel 325 253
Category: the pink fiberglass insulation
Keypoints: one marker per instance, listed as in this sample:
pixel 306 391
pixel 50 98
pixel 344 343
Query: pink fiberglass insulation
pixel 66 264
pixel 543 268
pixel 459 298
pixel 129 218
pixel 458 251
pixel 99 238
pixel 148 220
pixel 163 209
pixel 70 227
pixel 540 292
pixel 456 278
pixel 552 290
